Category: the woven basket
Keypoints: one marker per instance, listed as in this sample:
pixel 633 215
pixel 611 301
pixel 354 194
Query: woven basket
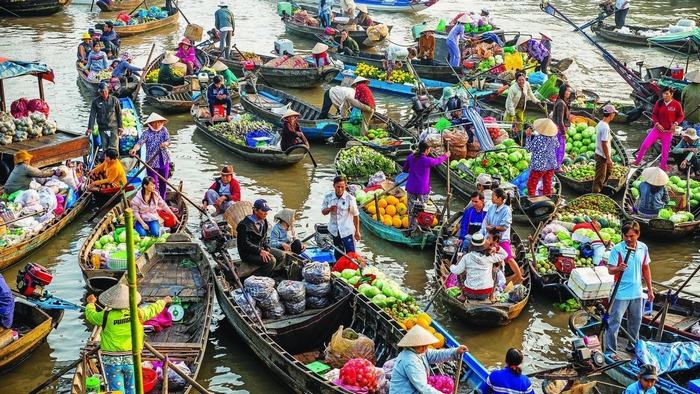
pixel 236 212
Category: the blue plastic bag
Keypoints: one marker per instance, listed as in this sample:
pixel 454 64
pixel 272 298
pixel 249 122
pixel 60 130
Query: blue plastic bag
pixel 71 198
pixel 356 116
pixel 537 78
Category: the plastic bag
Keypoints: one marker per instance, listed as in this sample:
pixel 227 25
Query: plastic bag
pixel 259 286
pixel 47 198
pixel 292 291
pixel 317 290
pixel 376 179
pixel 28 197
pixel 18 108
pixel 295 308
pixel 316 273
pixel 347 344
pixel 276 311
pixel 313 302
pixel 248 305
pixel 38 105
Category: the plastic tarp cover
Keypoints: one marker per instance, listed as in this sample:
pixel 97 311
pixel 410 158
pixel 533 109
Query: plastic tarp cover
pixel 693 35
pixel 482 135
pixel 669 357
pixel 14 68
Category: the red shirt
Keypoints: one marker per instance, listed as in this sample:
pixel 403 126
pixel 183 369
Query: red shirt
pixel 666 114
pixel 364 95
pixel 234 188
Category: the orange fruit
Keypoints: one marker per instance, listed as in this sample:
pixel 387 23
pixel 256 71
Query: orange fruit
pixel 425 316
pixel 390 210
pixel 404 200
pixel 382 212
pixel 410 322
pixel 382 203
pixel 441 340
pixel 401 208
pixel 391 200
pixel 396 222
pixel 387 220
pixel 431 329
pixel 404 222
pixel 435 222
pixel 372 208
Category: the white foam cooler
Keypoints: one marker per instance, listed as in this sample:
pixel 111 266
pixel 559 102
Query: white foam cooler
pixel 591 283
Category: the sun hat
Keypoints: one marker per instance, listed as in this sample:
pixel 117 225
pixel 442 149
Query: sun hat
pixel 362 8
pixel 219 66
pixel 485 11
pixel 126 56
pixel 223 3
pixel 655 176
pixel 478 242
pixel 463 19
pixel 319 48
pixel 417 336
pixel 484 179
pixel 170 58
pixel 117 297
pixel 261 204
pixel 610 109
pixel 22 156
pixel 358 80
pixel 690 133
pixel 648 372
pixel 289 113
pixel 545 126
pixel 154 117
pixel 227 170
pixel 185 41
pixel 693 76
pixel 286 215
pixel 86 36
pixel 546 37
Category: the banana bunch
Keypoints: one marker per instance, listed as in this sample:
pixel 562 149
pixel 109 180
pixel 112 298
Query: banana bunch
pixel 152 76
pixel 401 76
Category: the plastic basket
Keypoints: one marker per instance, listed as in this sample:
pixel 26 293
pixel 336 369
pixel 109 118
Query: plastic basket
pixel 117 260
pixel 318 367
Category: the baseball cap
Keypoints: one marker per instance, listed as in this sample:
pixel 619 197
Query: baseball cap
pixel 609 109
pixel 261 205
pixel 648 372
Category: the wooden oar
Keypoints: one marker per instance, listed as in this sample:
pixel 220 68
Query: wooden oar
pixel 143 73
pixel 457 373
pixel 175 368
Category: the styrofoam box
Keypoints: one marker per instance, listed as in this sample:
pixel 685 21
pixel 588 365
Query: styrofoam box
pixel 591 283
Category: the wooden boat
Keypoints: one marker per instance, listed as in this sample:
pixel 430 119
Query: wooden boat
pixel 181 270
pixel 121 5
pixel 278 76
pixel 409 90
pixel 268 156
pixel 397 151
pixel 312 32
pixel 98 280
pixel 33 326
pixel 407 6
pixel 132 30
pixel 126 89
pixel 31 8
pixel 634 37
pixel 682 315
pixel 174 99
pixel 656 228
pixel 480 313
pixel 438 72
pixel 269 104
pixel 398 236
pixel 288 344
pixel 582 324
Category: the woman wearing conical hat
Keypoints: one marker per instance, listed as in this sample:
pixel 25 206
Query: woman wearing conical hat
pixel 653 195
pixel 291 131
pixel 157 140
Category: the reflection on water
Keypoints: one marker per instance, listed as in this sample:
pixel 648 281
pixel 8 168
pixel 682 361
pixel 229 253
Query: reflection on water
pixel 230 367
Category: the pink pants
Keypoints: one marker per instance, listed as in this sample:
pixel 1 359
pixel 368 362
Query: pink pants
pixel 653 136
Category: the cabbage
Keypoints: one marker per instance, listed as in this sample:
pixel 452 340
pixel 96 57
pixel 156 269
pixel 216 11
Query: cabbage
pixel 665 214
pixel 678 218
pixel 563 235
pixel 379 300
pixel 364 289
pixel 348 273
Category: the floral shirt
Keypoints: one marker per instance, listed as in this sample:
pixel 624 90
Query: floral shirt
pixel 544 152
pixel 152 139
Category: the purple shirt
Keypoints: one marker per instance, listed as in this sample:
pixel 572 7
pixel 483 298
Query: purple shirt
pixel 152 139
pixel 418 168
pixel 7 304
pixel 544 152
pixel 456 33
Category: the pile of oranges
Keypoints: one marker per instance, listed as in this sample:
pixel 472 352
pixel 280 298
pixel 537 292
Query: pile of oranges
pixel 390 210
pixel 424 320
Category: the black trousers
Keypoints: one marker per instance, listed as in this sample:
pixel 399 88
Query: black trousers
pixel 620 17
pixel 327 104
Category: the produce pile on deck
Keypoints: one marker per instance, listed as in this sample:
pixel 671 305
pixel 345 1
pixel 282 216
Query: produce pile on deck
pixel 372 72
pixel 27 119
pixel 676 188
pixel 241 129
pixel 508 161
pixel 584 171
pixel 152 76
pixel 377 136
pixel 362 162
pixel 130 136
pixel 142 15
pixel 110 248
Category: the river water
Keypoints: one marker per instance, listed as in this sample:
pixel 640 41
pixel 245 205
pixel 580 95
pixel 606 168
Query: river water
pixel 230 367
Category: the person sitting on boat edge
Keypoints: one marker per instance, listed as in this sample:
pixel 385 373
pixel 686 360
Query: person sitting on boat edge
pixel 690 98
pixel 223 192
pixel 115 339
pixel 84 48
pixel 647 379
pixel 426 47
pixel 283 236
pixel 324 12
pixel 418 165
pixel 666 116
pixel 97 60
pixel 344 220
pixel 225 23
pixel 253 246
pixel 629 297
pixel 124 66
pixel 218 94
pixel 319 55
pixel 498 221
pixel 509 379
pixel 519 94
pixel 24 173
pixel 110 38
pixel 108 174
pixel 410 373
pixel 473 216
pixel 347 44
pixel 157 140
pixel 187 55
pixel 166 74
pixel 653 195
pixel 477 265
pixel 686 152
pixel 543 147
pixel 147 206
pixel 291 131
pixel 7 304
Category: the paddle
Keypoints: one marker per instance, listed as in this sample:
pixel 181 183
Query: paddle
pixel 457 373
pixel 604 323
pixel 669 299
pixel 143 74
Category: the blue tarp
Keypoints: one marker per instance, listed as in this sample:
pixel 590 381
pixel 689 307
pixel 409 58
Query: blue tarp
pixel 14 68
pixel 669 357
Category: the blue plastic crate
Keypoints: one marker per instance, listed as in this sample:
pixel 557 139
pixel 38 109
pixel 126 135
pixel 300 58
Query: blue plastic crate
pixel 320 255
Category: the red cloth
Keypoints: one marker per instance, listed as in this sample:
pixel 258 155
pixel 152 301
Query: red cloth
pixel 345 263
pixel 665 115
pixel 168 219
pixel 364 95
pixel 534 179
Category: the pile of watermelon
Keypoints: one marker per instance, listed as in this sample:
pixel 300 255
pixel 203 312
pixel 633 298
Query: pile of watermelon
pixel 508 160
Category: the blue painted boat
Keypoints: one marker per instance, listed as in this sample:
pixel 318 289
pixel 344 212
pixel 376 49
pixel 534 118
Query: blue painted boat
pixel 269 104
pixel 473 372
pixel 397 5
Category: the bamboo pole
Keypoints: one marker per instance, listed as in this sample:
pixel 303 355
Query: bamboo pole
pixel 133 305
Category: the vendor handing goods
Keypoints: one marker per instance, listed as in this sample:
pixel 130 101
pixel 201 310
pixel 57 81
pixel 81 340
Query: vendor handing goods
pixel 362 162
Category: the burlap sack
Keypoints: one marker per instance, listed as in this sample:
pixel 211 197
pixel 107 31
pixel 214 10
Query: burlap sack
pixel 237 212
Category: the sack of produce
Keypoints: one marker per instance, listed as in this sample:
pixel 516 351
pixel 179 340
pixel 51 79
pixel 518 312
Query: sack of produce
pixel 317 289
pixel 38 105
pixel 260 287
pixel 247 304
pixel 347 344
pixel 295 308
pixel 442 383
pixel 313 302
pixel 358 375
pixel 297 61
pixel 275 311
pixel 316 273
pixel 18 108
pixel 291 291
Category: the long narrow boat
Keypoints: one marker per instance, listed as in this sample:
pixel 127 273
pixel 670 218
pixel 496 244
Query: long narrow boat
pixel 583 324
pixel 33 326
pixel 181 270
pixel 91 84
pixel 399 150
pixel 656 228
pixel 271 156
pixel 632 37
pixel 287 77
pixel 132 30
pixel 438 71
pixel 269 104
pixel 409 90
pixel 287 345
pixel 31 8
pixel 168 98
pixel 407 6
pixel 100 279
pixel 683 314
pixel 485 313
pixel 121 5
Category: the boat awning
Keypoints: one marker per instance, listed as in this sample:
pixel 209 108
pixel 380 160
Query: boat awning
pixel 676 38
pixel 15 68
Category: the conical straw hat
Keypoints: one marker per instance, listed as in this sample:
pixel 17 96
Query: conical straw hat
pixel 170 58
pixel 117 297
pixel 545 127
pixel 218 66
pixel 154 117
pixel 319 48
pixel 655 176
pixel 417 336
pixel 290 113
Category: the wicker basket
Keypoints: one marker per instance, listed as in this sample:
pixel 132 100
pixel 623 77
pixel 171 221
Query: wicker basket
pixel 236 212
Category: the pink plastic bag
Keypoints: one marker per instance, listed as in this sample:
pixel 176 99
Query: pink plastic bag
pixel 451 281
pixel 161 321
pixel 59 205
pixel 38 105
pixel 18 108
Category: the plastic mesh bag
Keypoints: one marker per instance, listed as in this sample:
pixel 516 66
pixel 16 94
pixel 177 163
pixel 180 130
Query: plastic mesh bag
pixel 276 311
pixel 316 273
pixel 292 291
pixel 313 302
pixel 347 344
pixel 247 304
pixel 317 290
pixel 259 286
pixel 295 308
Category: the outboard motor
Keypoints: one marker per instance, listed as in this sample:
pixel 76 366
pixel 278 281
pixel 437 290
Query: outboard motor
pixel 32 279
pixel 323 237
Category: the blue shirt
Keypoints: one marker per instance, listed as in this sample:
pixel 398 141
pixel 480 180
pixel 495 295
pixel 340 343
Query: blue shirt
pixel 410 374
pixel 122 68
pixel 456 33
pixel 631 280
pixel 636 388
pixel 7 304
pixel 471 218
pixel 505 381
pixel 213 91
pixel 544 152
pixel 499 217
pixel 279 236
pixel 649 202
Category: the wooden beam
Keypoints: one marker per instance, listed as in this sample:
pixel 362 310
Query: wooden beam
pixel 2 96
pixel 41 87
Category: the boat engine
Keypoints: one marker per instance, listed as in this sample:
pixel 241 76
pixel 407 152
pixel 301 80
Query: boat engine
pixel 424 215
pixel 31 280
pixel 564 259
pixel 586 354
pixel 323 237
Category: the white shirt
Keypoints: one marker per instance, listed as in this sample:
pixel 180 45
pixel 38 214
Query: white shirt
pixel 226 28
pixel 341 221
pixel 339 97
pixel 479 268
pixel 347 5
pixel 602 137
pixel 622 4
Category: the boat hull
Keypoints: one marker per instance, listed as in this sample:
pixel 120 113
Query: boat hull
pixel 31 8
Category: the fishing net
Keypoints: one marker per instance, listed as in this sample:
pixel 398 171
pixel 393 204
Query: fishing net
pixel 313 302
pixel 292 291
pixel 317 290
pixel 316 273
pixel 347 344
pixel 295 308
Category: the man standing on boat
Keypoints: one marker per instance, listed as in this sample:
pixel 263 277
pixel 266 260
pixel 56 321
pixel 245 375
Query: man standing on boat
pixel 690 98
pixel 603 155
pixel 344 223
pixel 622 7
pixel 105 110
pixel 226 24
